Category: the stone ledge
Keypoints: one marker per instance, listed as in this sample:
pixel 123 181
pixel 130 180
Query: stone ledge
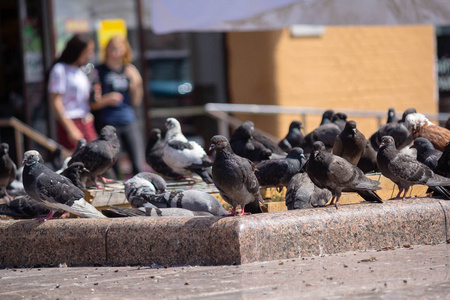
pixel 229 240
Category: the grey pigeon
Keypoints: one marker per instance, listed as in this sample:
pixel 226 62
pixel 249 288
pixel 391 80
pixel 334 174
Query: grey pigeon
pixel 75 172
pixel 406 171
pixel 265 141
pixel 154 152
pixel 303 193
pixel 53 190
pixel 426 153
pixel 100 155
pixel 143 183
pixel 120 212
pixel 7 168
pixel 234 177
pixel 391 118
pixel 183 156
pixel 350 143
pixel 294 137
pixel 244 145
pixel 368 161
pixel 326 116
pixel 338 175
pixel 188 199
pixel 26 208
pixel 278 172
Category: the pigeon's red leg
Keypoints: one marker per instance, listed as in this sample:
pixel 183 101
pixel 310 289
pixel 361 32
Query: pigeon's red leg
pixel 332 200
pixel 400 190
pixel 48 217
pixel 233 213
pixel 404 194
pixel 242 211
pixel 336 203
pixel 105 180
pixel 97 186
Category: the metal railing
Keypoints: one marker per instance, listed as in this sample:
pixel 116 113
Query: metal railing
pixel 21 129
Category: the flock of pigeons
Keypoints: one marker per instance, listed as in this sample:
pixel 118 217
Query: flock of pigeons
pixel 331 159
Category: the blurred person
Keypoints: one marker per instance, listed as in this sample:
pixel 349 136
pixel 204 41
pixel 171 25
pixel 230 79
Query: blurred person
pixel 69 92
pixel 118 92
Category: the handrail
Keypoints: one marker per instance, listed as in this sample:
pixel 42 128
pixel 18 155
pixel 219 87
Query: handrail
pixel 21 128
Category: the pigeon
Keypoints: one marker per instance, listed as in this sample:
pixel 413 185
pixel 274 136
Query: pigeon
pixel 338 175
pixel 265 141
pixel 188 199
pixel 234 177
pixel 75 172
pixel 26 208
pixel 294 138
pixel 183 156
pixel 406 113
pixel 143 183
pixel 278 172
pixel 243 144
pixel 303 193
pixel 100 155
pixel 7 169
pixel 368 161
pixel 325 133
pixel 426 153
pixel 340 119
pixel 326 116
pixel 406 171
pixel 120 212
pixel 154 155
pixel 53 190
pixel 350 143
pixel 420 126
pixel 391 118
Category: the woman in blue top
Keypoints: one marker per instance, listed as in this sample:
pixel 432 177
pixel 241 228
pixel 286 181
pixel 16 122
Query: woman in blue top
pixel 118 92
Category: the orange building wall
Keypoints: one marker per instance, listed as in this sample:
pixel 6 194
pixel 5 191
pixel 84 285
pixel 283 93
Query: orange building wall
pixel 371 68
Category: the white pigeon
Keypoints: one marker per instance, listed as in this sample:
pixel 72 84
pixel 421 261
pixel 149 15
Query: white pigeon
pixel 184 156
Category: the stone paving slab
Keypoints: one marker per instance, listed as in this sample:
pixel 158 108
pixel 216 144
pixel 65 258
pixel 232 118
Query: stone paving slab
pixel 227 240
pixel 409 272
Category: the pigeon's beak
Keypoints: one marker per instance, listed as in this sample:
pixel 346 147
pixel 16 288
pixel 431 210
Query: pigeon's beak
pixel 84 170
pixel 211 147
pixel 354 130
pixel 413 147
pixel 302 156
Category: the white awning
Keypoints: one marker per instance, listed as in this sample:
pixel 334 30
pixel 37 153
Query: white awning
pixel 257 15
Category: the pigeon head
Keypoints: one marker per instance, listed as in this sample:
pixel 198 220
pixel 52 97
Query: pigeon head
pixel 4 148
pixel 219 142
pixel 339 116
pixel 387 141
pixel 421 143
pixel 245 130
pixel 108 133
pixel 78 167
pixel 32 157
pixel 391 114
pixel 408 112
pixel 318 146
pixel 351 126
pixel 155 133
pixel 415 121
pixel 297 153
pixel 296 124
pixel 173 128
pixel 172 123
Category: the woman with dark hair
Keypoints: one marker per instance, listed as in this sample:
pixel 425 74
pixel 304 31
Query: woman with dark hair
pixel 69 90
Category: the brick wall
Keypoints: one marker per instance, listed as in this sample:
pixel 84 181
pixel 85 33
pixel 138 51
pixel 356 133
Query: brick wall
pixel 370 68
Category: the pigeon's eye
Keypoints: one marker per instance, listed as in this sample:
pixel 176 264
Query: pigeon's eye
pixel 219 142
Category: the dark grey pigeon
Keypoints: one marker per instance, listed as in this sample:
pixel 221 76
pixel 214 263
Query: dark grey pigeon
pixel 26 208
pixel 368 161
pixel 325 133
pixel 53 190
pixel 75 172
pixel 426 153
pixel 350 143
pixel 294 138
pixel 144 183
pixel 340 119
pixel 391 118
pixel 406 171
pixel 244 145
pixel 278 172
pixel 338 175
pixel 188 199
pixel 398 130
pixel 100 155
pixel 326 116
pixel 154 155
pixel 234 177
pixel 7 168
pixel 303 193
pixel 120 212
pixel 183 156
pixel 265 141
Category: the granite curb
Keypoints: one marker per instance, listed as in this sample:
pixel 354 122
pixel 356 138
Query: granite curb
pixel 224 241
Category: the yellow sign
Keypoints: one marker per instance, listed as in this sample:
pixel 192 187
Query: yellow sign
pixel 106 30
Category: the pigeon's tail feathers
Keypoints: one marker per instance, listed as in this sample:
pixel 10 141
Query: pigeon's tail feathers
pixel 368 184
pixel 370 196
pixel 205 174
pixel 438 180
pixel 441 191
pixel 84 209
pixel 121 212
pixel 254 207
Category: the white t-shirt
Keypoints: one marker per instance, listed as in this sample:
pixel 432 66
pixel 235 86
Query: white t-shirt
pixel 74 86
